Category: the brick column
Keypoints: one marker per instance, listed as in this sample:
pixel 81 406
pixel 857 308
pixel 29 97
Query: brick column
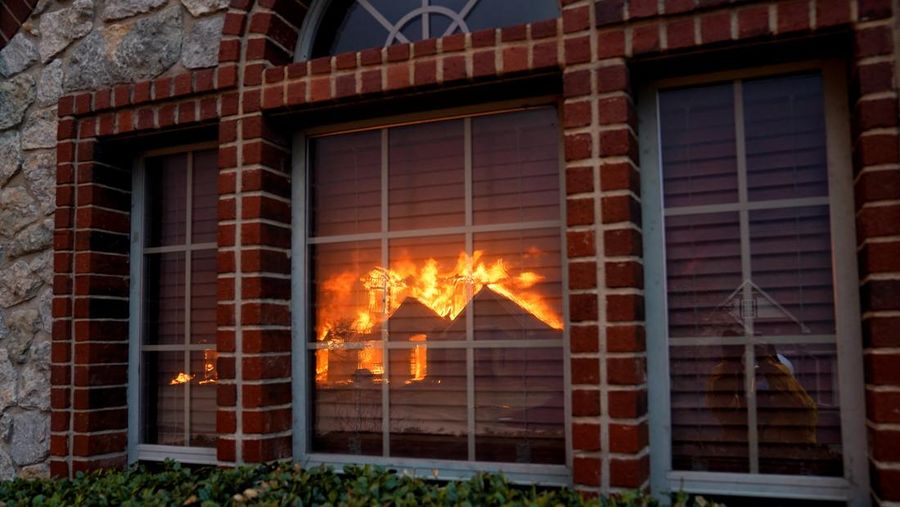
pixel 89 423
pixel 877 189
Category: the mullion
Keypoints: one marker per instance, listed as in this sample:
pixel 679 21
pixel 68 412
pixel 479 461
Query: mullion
pixel 470 305
pixel 188 238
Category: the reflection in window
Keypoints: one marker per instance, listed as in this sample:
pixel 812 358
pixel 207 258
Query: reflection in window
pixel 749 278
pixel 353 25
pixel 437 312
pixel 178 373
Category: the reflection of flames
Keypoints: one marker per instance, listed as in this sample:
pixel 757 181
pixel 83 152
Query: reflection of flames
pixel 210 376
pixel 445 293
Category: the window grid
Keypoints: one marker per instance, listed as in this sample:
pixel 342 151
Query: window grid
pixel 145 450
pixel 748 340
pixel 469 344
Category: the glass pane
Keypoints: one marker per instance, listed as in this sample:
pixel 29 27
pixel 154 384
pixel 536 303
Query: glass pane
pixel 344 310
pixel 703 272
pixel 426 177
pixel 164 298
pixel 345 184
pixel 515 167
pixel 519 413
pixel 799 417
pixel 791 262
pixel 784 121
pixel 204 285
pixel 203 398
pixel 428 288
pixel 500 13
pixel 166 201
pixel 428 403
pixel 709 409
pixel 163 399
pixel 347 406
pixel 519 287
pixel 699 161
pixel 356 31
pixel 205 194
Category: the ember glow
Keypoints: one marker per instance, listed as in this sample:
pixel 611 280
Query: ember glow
pixel 445 292
pixel 210 375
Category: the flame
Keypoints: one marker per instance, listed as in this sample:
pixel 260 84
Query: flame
pixel 342 314
pixel 210 375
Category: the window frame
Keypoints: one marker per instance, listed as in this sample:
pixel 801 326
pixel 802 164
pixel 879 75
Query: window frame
pixel 853 486
pixel 536 473
pixel 136 449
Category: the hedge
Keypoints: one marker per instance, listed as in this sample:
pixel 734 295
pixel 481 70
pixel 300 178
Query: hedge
pixel 289 485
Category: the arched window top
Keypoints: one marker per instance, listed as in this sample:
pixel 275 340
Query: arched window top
pixel 353 25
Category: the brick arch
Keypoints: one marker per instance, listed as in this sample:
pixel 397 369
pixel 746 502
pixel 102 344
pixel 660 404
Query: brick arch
pixel 13 14
pixel 261 33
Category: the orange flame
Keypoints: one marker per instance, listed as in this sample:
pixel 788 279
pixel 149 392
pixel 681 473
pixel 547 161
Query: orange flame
pixel 210 375
pixel 341 315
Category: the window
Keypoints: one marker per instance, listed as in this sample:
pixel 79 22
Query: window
pixel 353 25
pixel 435 320
pixel 173 326
pixel 753 321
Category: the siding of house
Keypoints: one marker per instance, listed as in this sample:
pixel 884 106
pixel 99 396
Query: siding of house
pixel 109 98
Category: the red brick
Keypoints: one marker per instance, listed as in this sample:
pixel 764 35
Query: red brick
pixel 753 21
pixel 607 12
pixel 881 332
pixel 539 29
pixel 624 274
pixel 879 185
pixel 577 147
pixel 345 61
pixel 610 44
pixel 876 113
pixel 886 483
pixel 613 110
pixel 645 38
pixel 582 275
pixel 515 59
pixel 619 176
pixel 425 47
pixel 453 43
pixel 483 65
pixel 545 55
pixel 586 437
pixel 678 6
pixel 620 208
pixel 585 370
pixel 880 258
pixel 627 404
pixel 580 244
pixel 578 50
pixel 585 403
pixel 576 84
pixel 793 16
pixel 584 339
pixel 680 33
pixel 885 444
pixel 875 78
pixel 832 13
pixel 629 473
pixel 877 149
pixel 583 307
pixel 296 93
pixel 320 89
pixel 883 406
pixel 624 307
pixel 628 438
pixel 715 27
pixel 579 211
pixel 626 370
pixel 873 9
pixel 579 180
pixel 626 338
pixel 642 8
pixel 513 33
pixel 881 369
pixel 586 471
pixel 454 68
pixel 425 73
pixel 612 78
pixel 398 52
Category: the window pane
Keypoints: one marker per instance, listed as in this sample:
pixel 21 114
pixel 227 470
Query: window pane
pixel 703 272
pixel 784 120
pixel 519 413
pixel 164 298
pixel 205 194
pixel 799 417
pixel 345 184
pixel 515 167
pixel 428 403
pixel 163 399
pixel 347 406
pixel 426 178
pixel 698 146
pixel 523 300
pixel 204 285
pixel 709 409
pixel 500 13
pixel 791 263
pixel 203 398
pixel 166 180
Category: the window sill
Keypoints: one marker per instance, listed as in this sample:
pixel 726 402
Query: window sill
pixel 187 455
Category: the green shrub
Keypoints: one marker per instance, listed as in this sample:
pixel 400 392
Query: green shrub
pixel 289 485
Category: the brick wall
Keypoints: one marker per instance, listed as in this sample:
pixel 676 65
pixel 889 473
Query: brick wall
pixel 592 47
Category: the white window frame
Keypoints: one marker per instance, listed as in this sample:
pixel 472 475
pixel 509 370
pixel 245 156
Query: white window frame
pixel 853 486
pixel 542 474
pixel 137 450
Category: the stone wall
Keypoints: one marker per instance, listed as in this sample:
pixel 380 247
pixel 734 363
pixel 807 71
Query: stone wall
pixel 64 47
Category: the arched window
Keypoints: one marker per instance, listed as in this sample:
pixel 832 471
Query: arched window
pixel 352 25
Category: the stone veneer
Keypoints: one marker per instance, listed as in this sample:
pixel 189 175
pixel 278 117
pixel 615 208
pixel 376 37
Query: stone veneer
pixel 62 48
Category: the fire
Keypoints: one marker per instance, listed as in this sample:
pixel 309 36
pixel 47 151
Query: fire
pixel 210 375
pixel 445 292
